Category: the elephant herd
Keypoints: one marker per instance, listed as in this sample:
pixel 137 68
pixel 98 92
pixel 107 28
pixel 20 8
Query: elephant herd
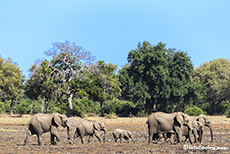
pixel 172 127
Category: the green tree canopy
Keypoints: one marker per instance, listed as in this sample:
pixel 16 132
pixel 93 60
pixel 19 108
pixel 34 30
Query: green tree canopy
pixel 155 75
pixel 215 76
pixel 11 81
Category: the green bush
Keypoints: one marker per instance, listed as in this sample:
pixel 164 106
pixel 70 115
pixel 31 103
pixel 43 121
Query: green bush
pixel 2 108
pixel 207 107
pixel 193 111
pixel 37 106
pixel 85 106
pixel 121 108
pixel 23 107
pixel 227 114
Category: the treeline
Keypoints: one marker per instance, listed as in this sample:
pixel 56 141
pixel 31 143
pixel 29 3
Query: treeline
pixel 155 78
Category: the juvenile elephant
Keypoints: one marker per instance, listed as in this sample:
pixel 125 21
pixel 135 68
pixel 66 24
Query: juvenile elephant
pixel 196 128
pixel 42 123
pixel 205 122
pixel 87 128
pixel 161 123
pixel 119 134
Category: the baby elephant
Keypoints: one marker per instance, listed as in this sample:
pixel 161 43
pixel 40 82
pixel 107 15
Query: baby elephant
pixel 119 133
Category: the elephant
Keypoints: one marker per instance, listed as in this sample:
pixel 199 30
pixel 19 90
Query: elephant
pixel 160 123
pixel 41 123
pixel 205 122
pixel 88 128
pixel 119 134
pixel 196 128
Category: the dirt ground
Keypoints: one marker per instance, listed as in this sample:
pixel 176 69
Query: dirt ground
pixel 13 132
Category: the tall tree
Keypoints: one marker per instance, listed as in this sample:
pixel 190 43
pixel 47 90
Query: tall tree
pixel 40 85
pixel 104 85
pixel 68 63
pixel 155 75
pixel 11 81
pixel 215 76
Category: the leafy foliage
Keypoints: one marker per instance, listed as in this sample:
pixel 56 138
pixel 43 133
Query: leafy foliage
pixel 215 77
pixel 156 76
pixel 11 81
pixel 193 111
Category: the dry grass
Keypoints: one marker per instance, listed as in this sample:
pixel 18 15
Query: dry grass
pixel 13 130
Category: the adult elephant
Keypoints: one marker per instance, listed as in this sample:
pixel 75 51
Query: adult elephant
pixel 205 122
pixel 42 123
pixel 159 123
pixel 88 128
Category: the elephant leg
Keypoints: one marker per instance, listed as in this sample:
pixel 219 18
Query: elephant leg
pixel 90 137
pixel 54 134
pixel 75 135
pixel 126 138
pixel 52 139
pixel 115 137
pixel 28 134
pixel 151 133
pixel 121 136
pixel 82 140
pixel 201 135
pixel 97 134
pixel 39 140
pixel 178 134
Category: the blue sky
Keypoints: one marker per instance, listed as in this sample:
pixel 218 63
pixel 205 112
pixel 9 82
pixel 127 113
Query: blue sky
pixel 109 29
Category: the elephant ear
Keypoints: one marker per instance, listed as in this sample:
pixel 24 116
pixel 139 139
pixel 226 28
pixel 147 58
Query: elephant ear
pixel 201 119
pixel 57 119
pixel 179 118
pixel 129 133
pixel 196 125
pixel 96 126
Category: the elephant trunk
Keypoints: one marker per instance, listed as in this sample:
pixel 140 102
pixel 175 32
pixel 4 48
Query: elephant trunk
pixel 104 136
pixel 210 127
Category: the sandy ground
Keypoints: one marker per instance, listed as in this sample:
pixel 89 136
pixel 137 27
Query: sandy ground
pixel 13 132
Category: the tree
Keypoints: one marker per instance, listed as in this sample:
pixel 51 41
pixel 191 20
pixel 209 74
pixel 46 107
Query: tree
pixel 40 85
pixel 156 75
pixel 11 81
pixel 68 64
pixel 215 76
pixel 104 85
pixel 180 78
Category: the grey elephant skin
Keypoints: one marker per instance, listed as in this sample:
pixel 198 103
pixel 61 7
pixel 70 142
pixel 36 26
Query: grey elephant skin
pixel 195 129
pixel 89 128
pixel 119 134
pixel 205 122
pixel 161 123
pixel 42 123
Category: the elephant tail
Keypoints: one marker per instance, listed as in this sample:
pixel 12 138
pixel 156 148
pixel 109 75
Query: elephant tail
pixel 145 129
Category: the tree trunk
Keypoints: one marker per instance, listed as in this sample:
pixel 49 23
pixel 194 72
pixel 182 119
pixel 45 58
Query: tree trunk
pixel 69 98
pixel 155 105
pixel 215 106
pixel 43 103
pixel 102 108
pixel 12 107
pixel 48 106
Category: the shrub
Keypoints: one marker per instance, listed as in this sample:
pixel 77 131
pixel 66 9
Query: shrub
pixel 121 108
pixel 2 107
pixel 193 111
pixel 228 114
pixel 207 107
pixel 23 107
pixel 85 106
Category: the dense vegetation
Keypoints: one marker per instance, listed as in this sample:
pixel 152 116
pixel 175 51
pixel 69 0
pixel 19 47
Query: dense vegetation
pixel 155 78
